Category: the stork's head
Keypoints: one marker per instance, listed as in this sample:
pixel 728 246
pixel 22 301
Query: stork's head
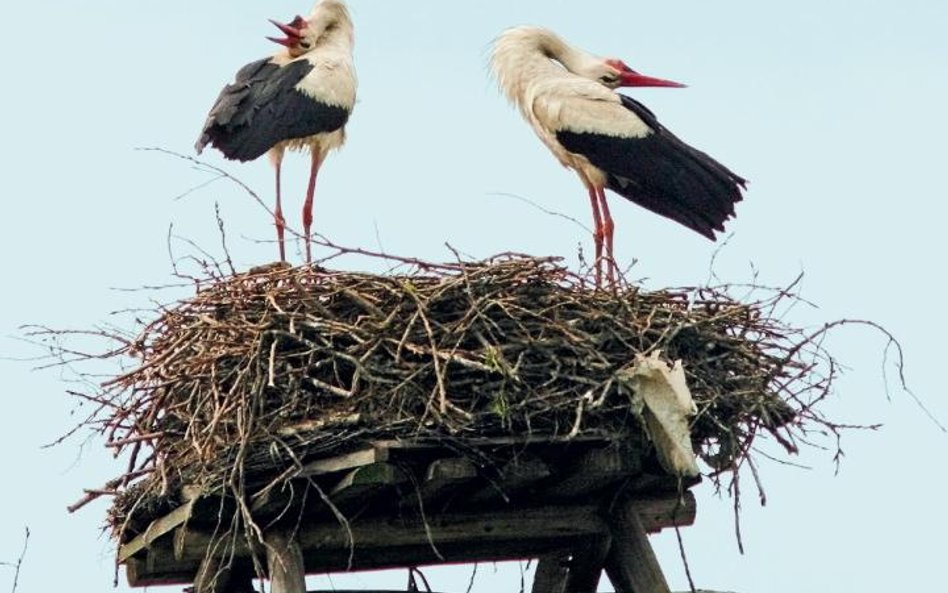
pixel 296 40
pixel 328 21
pixel 614 73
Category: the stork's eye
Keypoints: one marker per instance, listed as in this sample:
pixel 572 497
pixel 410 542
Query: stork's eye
pixel 608 78
pixel 305 44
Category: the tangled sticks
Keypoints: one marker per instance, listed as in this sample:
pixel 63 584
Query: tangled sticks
pixel 280 364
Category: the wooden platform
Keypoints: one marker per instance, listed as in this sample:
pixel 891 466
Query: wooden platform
pixel 579 505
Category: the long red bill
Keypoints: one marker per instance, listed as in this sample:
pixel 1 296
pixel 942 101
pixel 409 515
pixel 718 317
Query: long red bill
pixel 287 42
pixel 293 32
pixel 631 78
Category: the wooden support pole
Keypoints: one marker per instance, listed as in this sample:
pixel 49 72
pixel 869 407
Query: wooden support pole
pixel 572 571
pixel 586 564
pixel 285 563
pixel 210 577
pixel 631 563
pixel 214 577
pixel 551 574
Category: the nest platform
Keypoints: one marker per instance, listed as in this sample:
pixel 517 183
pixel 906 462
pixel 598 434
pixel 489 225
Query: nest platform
pixel 410 503
pixel 435 413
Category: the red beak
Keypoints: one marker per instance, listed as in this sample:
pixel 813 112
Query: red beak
pixel 293 32
pixel 633 78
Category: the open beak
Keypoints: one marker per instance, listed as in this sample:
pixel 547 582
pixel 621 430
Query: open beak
pixel 632 78
pixel 293 32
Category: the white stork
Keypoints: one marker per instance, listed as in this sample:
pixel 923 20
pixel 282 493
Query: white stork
pixel 609 139
pixel 300 98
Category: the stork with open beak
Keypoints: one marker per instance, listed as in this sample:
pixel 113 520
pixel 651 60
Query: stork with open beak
pixel 300 98
pixel 611 140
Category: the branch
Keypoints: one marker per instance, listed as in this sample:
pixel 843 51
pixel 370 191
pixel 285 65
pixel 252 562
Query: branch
pixel 19 562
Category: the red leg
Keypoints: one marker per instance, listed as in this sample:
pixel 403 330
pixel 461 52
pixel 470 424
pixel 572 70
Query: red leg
pixel 597 233
pixel 308 205
pixel 607 229
pixel 278 219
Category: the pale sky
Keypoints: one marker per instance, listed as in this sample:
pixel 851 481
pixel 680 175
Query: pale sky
pixel 834 110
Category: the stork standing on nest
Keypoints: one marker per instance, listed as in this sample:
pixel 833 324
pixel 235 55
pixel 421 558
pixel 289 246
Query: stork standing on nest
pixel 300 98
pixel 609 139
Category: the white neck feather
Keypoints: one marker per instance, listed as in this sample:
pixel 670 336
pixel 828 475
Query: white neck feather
pixel 524 55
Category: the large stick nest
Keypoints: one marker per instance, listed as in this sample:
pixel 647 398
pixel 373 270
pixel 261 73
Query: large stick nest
pixel 264 369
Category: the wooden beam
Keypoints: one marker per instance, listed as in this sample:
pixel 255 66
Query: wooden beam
pixel 586 564
pixel 213 576
pixel 348 461
pixel 631 564
pixel 674 511
pixel 551 574
pixel 449 471
pixel 327 547
pixel 155 530
pixel 284 563
pixel 517 441
pixel 516 476
pixel 158 565
pixel 442 478
pixel 648 483
pixel 360 484
pixel 209 578
pixel 510 534
pixel 594 470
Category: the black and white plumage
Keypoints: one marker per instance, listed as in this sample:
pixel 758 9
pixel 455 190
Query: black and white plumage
pixel 263 107
pixel 300 98
pixel 609 139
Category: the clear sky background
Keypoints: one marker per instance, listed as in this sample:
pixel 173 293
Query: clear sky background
pixel 834 110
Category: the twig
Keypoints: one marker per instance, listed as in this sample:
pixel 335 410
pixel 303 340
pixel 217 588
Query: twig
pixel 16 566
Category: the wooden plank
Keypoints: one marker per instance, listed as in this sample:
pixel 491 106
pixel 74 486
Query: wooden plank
pixel 586 564
pixel 509 534
pixel 552 571
pixel 158 528
pixel 390 543
pixel 516 476
pixel 631 564
pixel 549 523
pixel 594 470
pixel 523 443
pixel 284 563
pixel 442 478
pixel 344 462
pixel 361 484
pixel 158 566
pixel 450 470
pixel 649 483
pixel 209 578
pixel 213 576
pixel 673 511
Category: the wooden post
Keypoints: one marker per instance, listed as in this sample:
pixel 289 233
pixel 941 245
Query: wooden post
pixel 213 577
pixel 551 574
pixel 210 577
pixel 586 564
pixel 285 563
pixel 631 563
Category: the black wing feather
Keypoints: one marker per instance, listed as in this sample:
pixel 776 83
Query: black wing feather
pixel 262 108
pixel 661 173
